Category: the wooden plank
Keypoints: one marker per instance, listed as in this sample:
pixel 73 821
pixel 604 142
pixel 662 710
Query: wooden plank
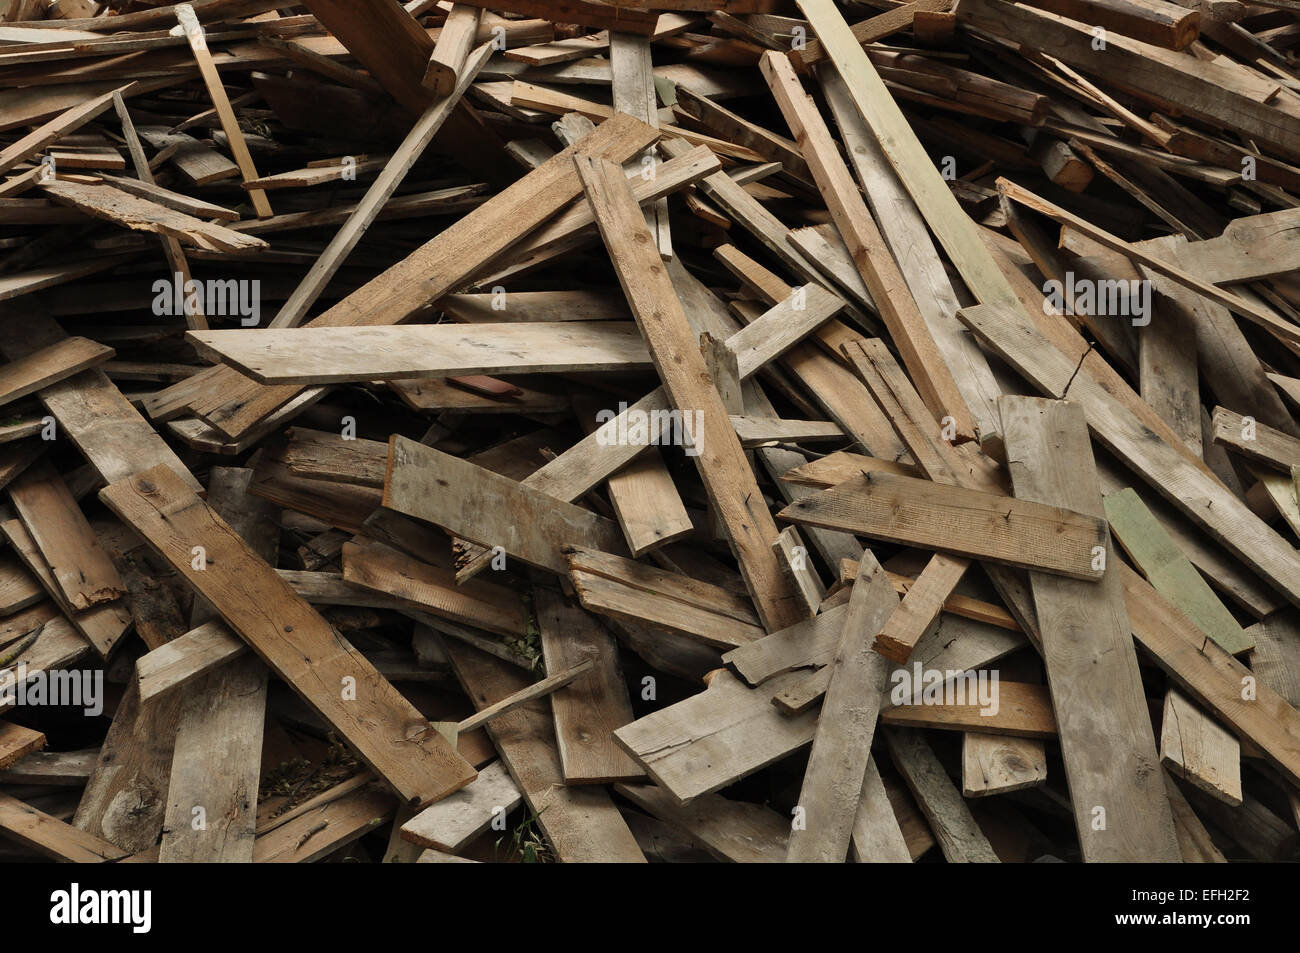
pixel 452 49
pixel 1199 751
pixel 581 824
pixel 832 784
pixel 734 831
pixel 458 819
pixel 194 33
pixel 216 761
pixel 103 201
pixel 1202 499
pixel 586 713
pixel 384 729
pixel 959 837
pixel 999 764
pixel 1256 440
pixel 872 29
pixel 304 356
pixel 897 307
pixel 633 92
pixel 488 509
pixel 101 625
pixel 48 365
pixel 81 570
pixel 920 607
pixel 1120 809
pixel 1283 330
pixel 1016 709
pixel 91 411
pixel 726 475
pixel 52 837
pixel 51 131
pixel 877 837
pixel 956 520
pixel 17 741
pixel 1168 570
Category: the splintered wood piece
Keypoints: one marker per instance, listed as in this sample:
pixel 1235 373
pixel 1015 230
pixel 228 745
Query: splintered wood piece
pixel 459 818
pixel 384 729
pixel 318 833
pixel 81 569
pixel 193 31
pixel 998 764
pixel 1204 500
pixel 103 201
pixel 525 695
pixel 734 831
pixel 1198 750
pixel 956 520
pixel 581 823
pixel 832 784
pixel 727 478
pixel 489 509
pixel 587 712
pixel 102 625
pixel 794 560
pixel 1013 708
pixel 52 837
pixel 331 355
pixel 959 837
pixel 48 365
pixel 1170 573
pixel 1120 809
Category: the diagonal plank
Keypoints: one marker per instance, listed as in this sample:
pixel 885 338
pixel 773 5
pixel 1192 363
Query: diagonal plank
pixel 722 465
pixel 1120 808
pixel 299 646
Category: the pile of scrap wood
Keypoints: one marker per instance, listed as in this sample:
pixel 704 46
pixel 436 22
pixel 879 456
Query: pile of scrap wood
pixel 689 430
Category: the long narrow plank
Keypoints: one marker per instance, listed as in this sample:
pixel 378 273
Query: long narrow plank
pixel 48 365
pixel 1255 440
pixel 1017 709
pixel 723 468
pixel 633 92
pixel 586 713
pixel 581 823
pixel 877 836
pixel 440 266
pixel 1205 501
pixel 959 837
pixel 79 566
pixel 387 733
pixel 452 49
pixel 89 408
pixel 957 520
pixel 1120 809
pixel 898 309
pixel 832 784
pixel 1168 570
pixel 338 355
pixel 216 761
pixel 194 33
pixel 872 29
pixel 51 836
pixel 68 121
pixel 920 607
